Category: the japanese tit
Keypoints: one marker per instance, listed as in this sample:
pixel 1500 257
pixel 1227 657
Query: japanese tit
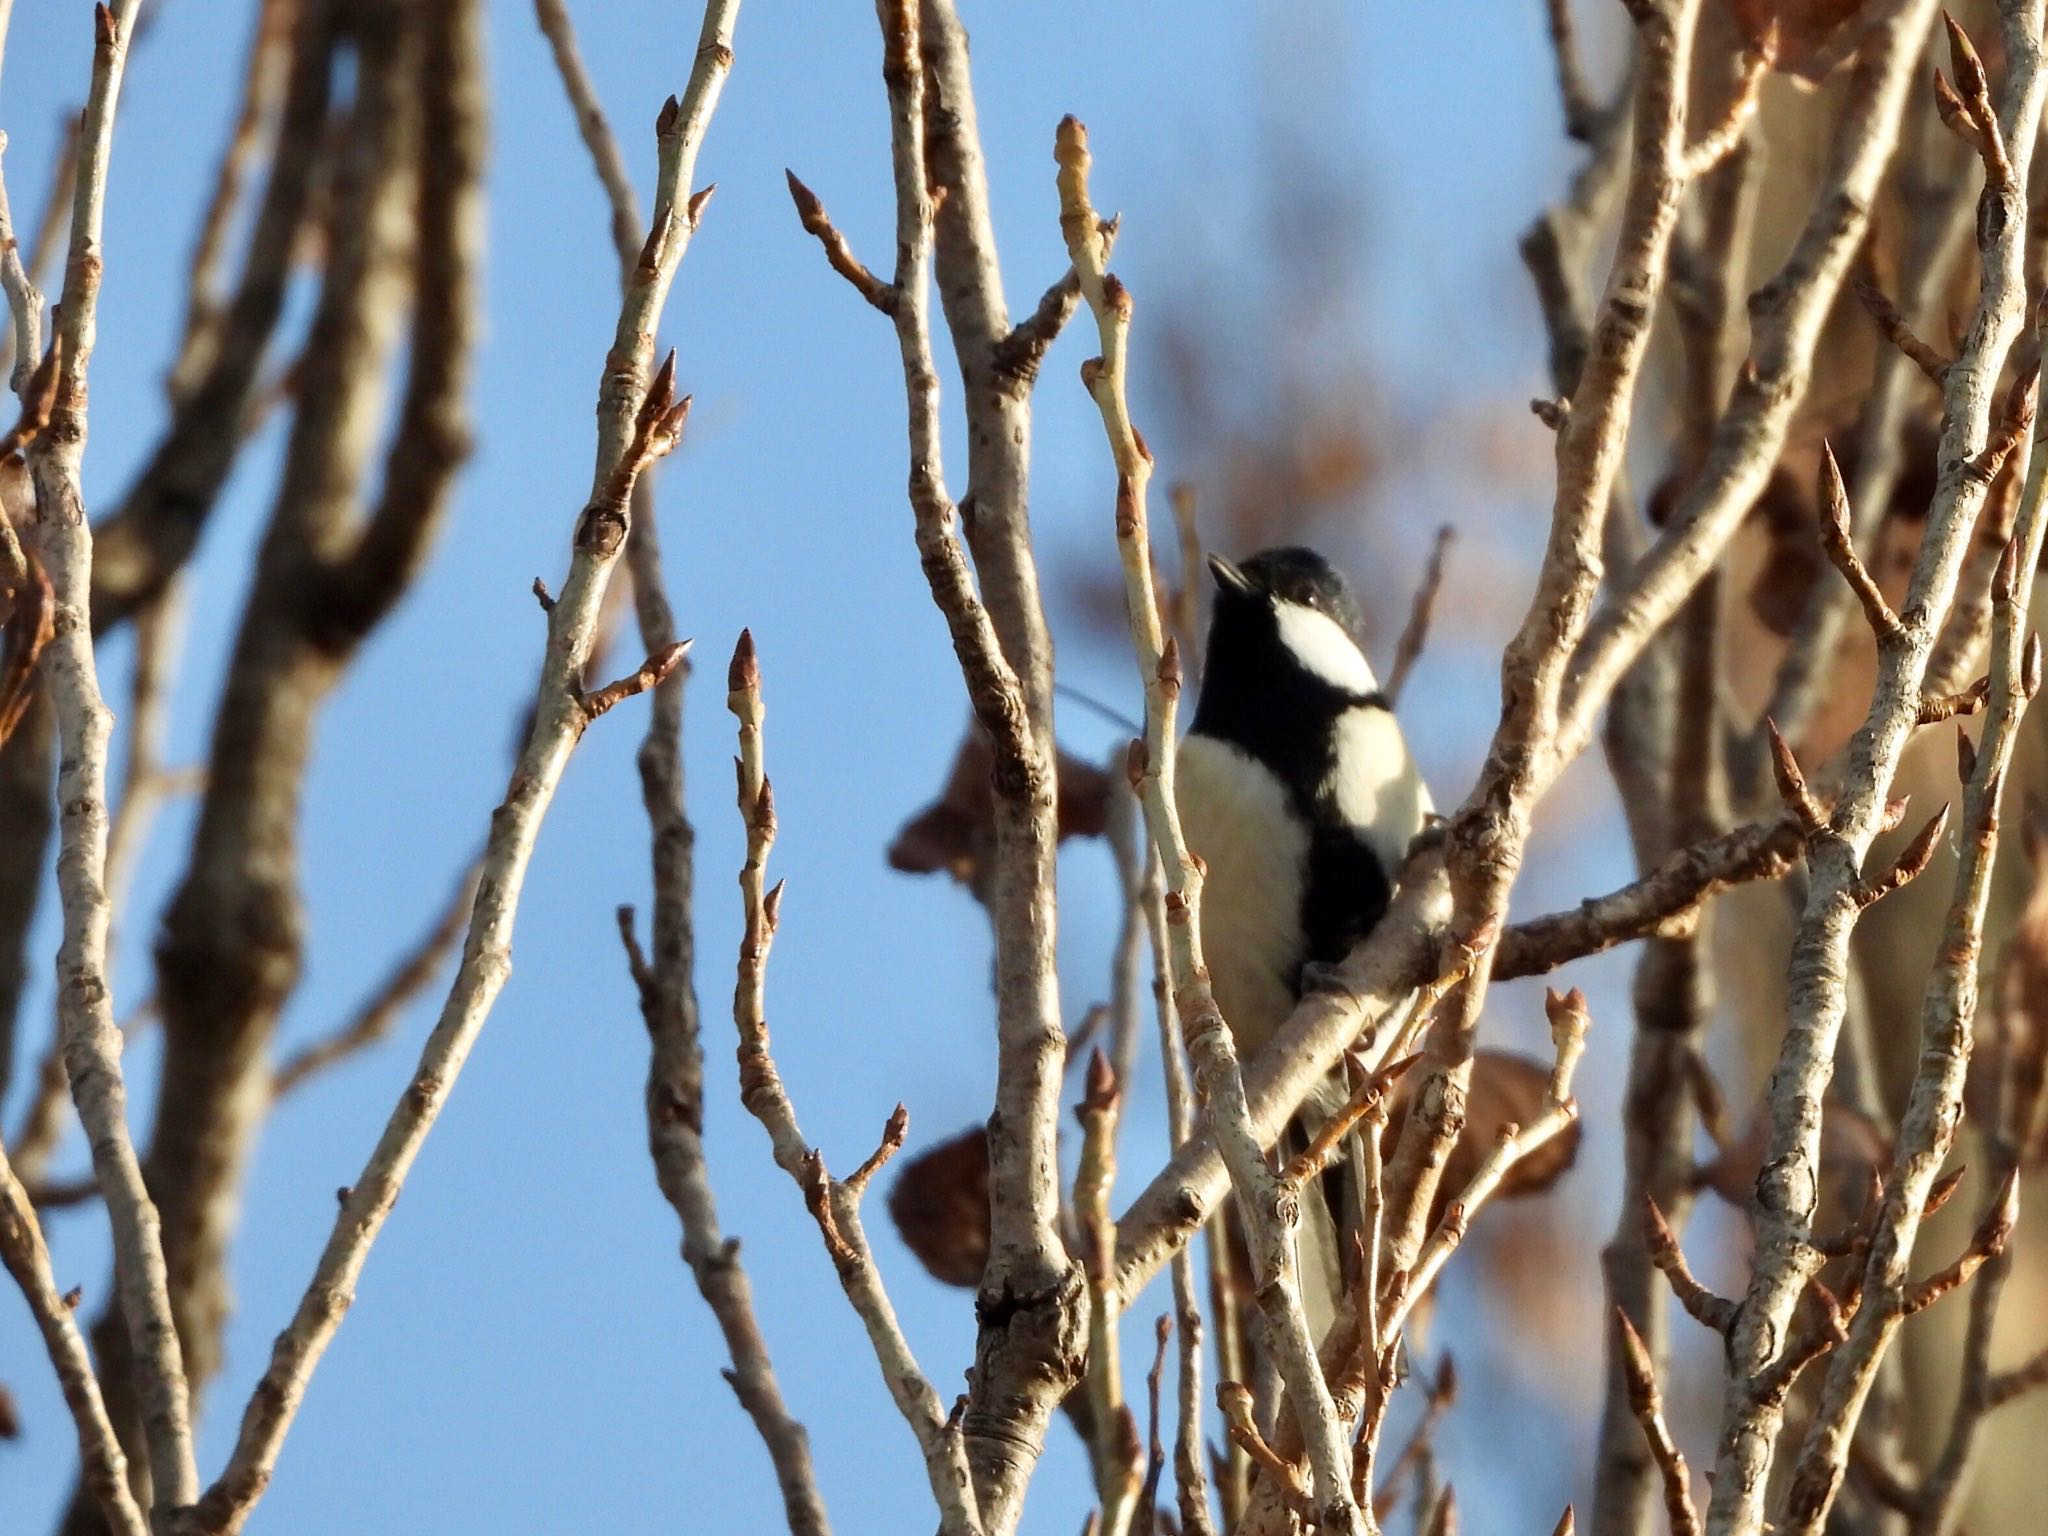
pixel 1297 789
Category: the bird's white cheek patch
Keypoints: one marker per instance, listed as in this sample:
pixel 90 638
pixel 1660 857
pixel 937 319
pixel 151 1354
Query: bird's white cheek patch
pixel 1320 644
pixel 1376 786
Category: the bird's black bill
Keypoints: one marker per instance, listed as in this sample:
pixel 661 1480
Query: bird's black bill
pixel 1229 578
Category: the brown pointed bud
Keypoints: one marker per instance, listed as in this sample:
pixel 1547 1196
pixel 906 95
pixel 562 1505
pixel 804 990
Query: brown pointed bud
pixel 1962 57
pixel 771 906
pixel 1834 496
pixel 543 595
pixel 1791 782
pixel 1954 114
pixel 2030 666
pixel 1091 370
pixel 1144 448
pixel 669 430
pixel 2006 579
pixel 764 805
pixel 1944 1188
pixel 1914 858
pixel 1137 762
pixel 1552 413
pixel 898 1126
pixel 1126 508
pixel 1446 1388
pixel 1966 756
pixel 665 120
pixel 76 1295
pixel 1169 668
pixel 1831 1309
pixel 1894 815
pixel 693 210
pixel 2021 401
pixel 1568 1522
pixel 744 675
pixel 104 31
pixel 1642 1382
pixel 1116 296
pixel 1101 1091
pixel 1996 1229
pixel 809 210
pixel 661 393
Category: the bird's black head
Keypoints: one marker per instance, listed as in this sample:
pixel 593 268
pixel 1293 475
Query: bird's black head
pixel 1283 648
pixel 1288 574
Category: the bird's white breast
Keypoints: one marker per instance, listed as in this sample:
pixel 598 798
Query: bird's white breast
pixel 1236 817
pixel 1376 785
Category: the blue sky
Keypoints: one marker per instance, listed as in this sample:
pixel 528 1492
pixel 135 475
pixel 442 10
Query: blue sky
pixel 526 1352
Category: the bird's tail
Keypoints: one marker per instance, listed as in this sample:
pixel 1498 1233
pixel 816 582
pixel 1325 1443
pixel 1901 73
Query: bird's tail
pixel 1330 1211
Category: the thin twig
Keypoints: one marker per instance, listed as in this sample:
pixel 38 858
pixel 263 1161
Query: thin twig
pixel 834 1203
pixel 1896 329
pixel 596 132
pixel 92 1053
pixel 1118 1474
pixel 1648 1403
pixel 1415 633
pixel 1568 1026
pixel 1190 1481
pixel 1269 1212
pixel 634 415
pixel 99 1450
pixel 1758 1349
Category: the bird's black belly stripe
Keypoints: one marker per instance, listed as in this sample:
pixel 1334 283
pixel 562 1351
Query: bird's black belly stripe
pixel 1345 894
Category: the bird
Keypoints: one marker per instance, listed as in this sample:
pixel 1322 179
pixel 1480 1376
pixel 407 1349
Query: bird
pixel 1297 789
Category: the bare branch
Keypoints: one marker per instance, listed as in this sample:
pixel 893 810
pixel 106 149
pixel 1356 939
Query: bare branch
pixel 1269 1206
pixel 99 1451
pixel 1719 140
pixel 628 410
pixel 817 222
pixel 1836 538
pixel 834 1203
pixel 1568 1026
pixel 1581 108
pixel 592 126
pixel 1666 902
pixel 1490 829
pixel 1896 329
pixel 1717 1312
pixel 91 1046
pixel 1236 1402
pixel 649 673
pixel 1786 317
pixel 1415 633
pixel 1648 1404
pixel 1758 1352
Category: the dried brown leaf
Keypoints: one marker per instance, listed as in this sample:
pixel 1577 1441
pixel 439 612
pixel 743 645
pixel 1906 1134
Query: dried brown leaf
pixel 939 1203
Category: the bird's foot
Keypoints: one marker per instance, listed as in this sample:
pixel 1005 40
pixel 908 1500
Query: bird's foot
pixel 1327 979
